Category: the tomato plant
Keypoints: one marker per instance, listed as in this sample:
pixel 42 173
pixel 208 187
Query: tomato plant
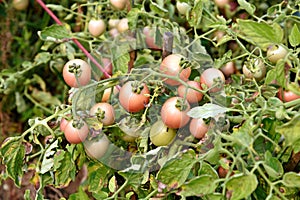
pixel 172 100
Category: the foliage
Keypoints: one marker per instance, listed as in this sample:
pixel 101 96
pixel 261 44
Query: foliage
pixel 260 145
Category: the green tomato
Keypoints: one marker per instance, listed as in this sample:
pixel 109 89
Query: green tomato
pixel 161 135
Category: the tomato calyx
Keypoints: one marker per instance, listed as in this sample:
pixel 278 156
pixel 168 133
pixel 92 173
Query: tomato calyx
pixel 181 104
pixel 75 69
pixel 78 123
pixel 137 88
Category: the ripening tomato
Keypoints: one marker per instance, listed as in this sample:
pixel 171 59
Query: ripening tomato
pixel 228 69
pixel 76 132
pixel 149 38
pixel 123 25
pixel 113 23
pixel 192 96
pixel 198 128
pixel 104 112
pixel 131 128
pixel 174 112
pixel 107 93
pixel 161 135
pixel 20 4
pixel 213 78
pixel 118 4
pixel 134 96
pixel 171 66
pixel 97 147
pixel 77 73
pixel 96 27
pixel 287 96
pixel 114 32
pixel 63 124
pixel 276 52
pixel 255 69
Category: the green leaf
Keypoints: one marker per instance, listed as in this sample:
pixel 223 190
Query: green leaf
pixel 45 98
pixel 158 9
pixel 47 162
pixel 272 166
pixel 55 33
pixel 112 185
pixel 291 179
pixel 241 186
pixel 244 135
pixel 176 170
pixel 199 186
pixel 132 17
pixel 206 169
pixel 120 57
pixel 42 58
pixel 290 130
pixel 250 8
pixel 13 153
pixel 196 14
pixel 66 172
pixel 277 74
pixel 98 175
pixel 294 37
pixel 260 33
pixel 206 111
pixel 80 195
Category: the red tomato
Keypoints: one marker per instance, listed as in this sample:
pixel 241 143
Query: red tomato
pixel 75 135
pixel 172 115
pixel 96 27
pixel 287 96
pixel 213 79
pixel 192 96
pixel 104 113
pixel 198 128
pixel 171 66
pixel 150 40
pixel 77 69
pixel 132 98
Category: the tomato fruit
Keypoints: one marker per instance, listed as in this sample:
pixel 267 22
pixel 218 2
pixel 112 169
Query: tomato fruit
pixel 182 7
pixel 113 23
pixel 276 52
pixel 118 4
pixel 171 66
pixel 63 124
pixel 213 78
pixel 96 27
pixel 131 128
pixel 161 135
pixel 255 69
pixel 134 96
pixel 174 112
pixel 77 73
pixel 76 132
pixel 150 41
pixel 198 128
pixel 123 25
pixel 104 112
pixel 107 93
pixel 228 69
pixel 287 96
pixel 192 96
pixel 97 147
pixel 221 3
pixel 20 4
